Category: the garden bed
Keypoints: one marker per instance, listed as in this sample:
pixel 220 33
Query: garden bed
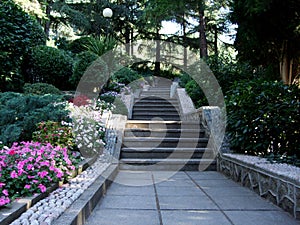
pixel 279 183
pixel 10 213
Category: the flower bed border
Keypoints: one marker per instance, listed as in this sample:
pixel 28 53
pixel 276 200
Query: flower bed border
pixel 81 208
pixel 279 189
pixel 9 214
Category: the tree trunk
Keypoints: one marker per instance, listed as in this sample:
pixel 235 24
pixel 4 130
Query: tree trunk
pixel 184 43
pixel 127 40
pixel 203 41
pixel 216 41
pixel 158 47
pixel 286 64
pixel 48 21
pixel 131 40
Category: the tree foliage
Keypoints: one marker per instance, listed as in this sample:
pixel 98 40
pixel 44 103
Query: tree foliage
pixel 269 34
pixel 19 32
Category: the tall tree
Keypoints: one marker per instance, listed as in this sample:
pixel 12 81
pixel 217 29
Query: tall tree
pixel 268 34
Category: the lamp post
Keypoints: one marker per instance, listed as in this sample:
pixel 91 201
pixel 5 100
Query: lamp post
pixel 107 13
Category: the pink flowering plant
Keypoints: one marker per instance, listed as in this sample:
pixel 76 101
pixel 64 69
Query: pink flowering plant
pixel 31 167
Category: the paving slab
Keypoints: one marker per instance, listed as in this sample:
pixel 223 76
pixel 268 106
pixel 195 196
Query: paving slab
pixel 216 183
pixel 192 217
pixel 186 203
pixel 128 202
pixel 183 198
pixel 176 183
pixel 179 191
pixel 206 175
pixel 244 203
pixel 122 190
pixel 261 218
pixel 166 175
pixel 128 174
pixel 123 217
pixel 228 191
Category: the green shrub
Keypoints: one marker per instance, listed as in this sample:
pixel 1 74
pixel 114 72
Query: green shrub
pixel 78 45
pixel 113 98
pixel 49 65
pixel 40 89
pixel 100 45
pixel 84 60
pixel 263 118
pixel 126 76
pixel 194 91
pixel 19 114
pixel 95 77
pixel 19 32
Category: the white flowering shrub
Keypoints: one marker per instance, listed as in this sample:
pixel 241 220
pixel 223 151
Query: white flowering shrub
pixel 88 128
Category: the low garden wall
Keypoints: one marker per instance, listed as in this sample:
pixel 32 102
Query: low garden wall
pixel 279 183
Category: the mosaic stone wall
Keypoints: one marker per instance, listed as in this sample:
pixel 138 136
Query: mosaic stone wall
pixel 282 191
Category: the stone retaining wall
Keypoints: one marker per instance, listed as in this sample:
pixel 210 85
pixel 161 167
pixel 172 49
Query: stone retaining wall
pixel 282 190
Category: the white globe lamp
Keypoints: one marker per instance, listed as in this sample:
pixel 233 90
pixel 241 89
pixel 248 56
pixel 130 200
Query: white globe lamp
pixel 107 13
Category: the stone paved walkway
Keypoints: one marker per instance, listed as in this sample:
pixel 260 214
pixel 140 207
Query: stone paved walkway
pixel 183 198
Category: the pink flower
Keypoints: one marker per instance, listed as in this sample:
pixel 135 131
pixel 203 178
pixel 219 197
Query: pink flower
pixel 42 188
pixel 5 192
pixel 42 174
pixel 20 172
pixel 30 167
pixel 68 161
pixel 45 163
pixel 13 174
pixel 4 201
pixel 2 184
pixel 59 173
pixel 27 186
pixel 39 158
pixel 35 181
pixel 11 152
pixel 30 177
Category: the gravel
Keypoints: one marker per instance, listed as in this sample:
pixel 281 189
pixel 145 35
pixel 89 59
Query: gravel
pixel 50 208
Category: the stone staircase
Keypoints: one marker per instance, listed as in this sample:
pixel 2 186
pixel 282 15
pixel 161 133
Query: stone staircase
pixel 156 138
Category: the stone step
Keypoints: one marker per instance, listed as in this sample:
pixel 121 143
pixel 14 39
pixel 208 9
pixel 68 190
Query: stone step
pixel 162 153
pixel 157 89
pixel 189 133
pixel 168 164
pixel 146 124
pixel 155 94
pixel 145 107
pixel 153 142
pixel 153 113
pixel 170 101
pixel 164 118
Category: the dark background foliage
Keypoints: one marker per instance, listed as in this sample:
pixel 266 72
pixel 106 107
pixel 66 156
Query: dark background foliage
pixel 18 33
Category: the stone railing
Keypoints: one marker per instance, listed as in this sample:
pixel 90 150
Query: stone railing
pixel 279 183
pixel 186 106
pixel 115 126
pixel 128 100
pixel 209 116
